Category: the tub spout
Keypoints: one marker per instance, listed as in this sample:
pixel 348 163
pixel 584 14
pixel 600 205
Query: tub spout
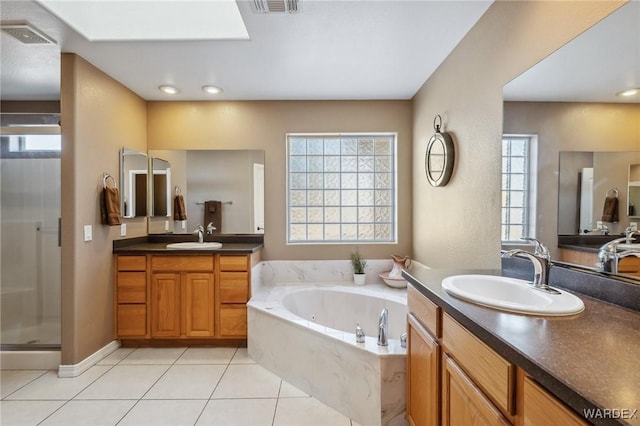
pixel 383 327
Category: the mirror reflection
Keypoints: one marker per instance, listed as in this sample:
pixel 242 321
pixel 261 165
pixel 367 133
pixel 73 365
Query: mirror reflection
pixel 160 188
pixel 585 139
pixel 633 192
pixel 222 187
pixel 586 180
pixel 133 183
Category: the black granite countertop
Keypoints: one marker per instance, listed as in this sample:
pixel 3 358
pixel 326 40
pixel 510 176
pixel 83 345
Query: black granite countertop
pixel 589 360
pixel 161 248
pixel 157 244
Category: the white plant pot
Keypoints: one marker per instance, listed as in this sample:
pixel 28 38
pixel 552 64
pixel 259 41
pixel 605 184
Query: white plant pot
pixel 358 279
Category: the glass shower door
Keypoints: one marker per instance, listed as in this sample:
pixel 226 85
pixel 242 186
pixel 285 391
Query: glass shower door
pixel 30 252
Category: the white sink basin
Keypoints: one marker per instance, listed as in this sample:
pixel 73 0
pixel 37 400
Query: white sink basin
pixel 194 246
pixel 511 294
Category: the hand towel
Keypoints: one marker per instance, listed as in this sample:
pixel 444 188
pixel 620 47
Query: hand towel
pixel 610 210
pixel 179 210
pixel 213 214
pixel 110 207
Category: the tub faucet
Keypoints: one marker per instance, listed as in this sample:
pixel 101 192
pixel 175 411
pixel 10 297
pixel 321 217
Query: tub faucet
pixel 200 231
pixel 383 327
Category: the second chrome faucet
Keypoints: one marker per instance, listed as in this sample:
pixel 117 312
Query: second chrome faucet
pixel 383 327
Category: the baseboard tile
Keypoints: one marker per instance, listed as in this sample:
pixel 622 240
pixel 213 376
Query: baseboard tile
pixel 79 368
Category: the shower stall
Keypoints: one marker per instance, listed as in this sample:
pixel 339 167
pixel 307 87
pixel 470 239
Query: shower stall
pixel 30 253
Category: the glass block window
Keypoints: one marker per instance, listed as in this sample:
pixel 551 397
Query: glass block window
pixel 515 188
pixel 341 188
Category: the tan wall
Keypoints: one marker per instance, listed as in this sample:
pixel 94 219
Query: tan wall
pixel 573 127
pixel 99 116
pixel 263 125
pixel 459 224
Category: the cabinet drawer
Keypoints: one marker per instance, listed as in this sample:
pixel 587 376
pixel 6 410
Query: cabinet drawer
pixel 234 263
pixel 427 312
pixel 132 320
pixel 492 373
pixel 182 263
pixel 132 263
pixel 463 402
pixel 132 287
pixel 233 321
pixel 541 408
pixel 234 287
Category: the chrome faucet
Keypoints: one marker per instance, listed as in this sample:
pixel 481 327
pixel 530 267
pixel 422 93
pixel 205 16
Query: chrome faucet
pixel 541 265
pixel 608 255
pixel 210 228
pixel 383 324
pixel 200 231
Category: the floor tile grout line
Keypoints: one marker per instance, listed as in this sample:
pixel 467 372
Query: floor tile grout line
pixel 216 386
pixel 275 410
pixel 162 375
pixel 30 381
pixel 150 387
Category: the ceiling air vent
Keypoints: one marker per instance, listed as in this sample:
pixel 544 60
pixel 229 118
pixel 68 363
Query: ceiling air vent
pixel 26 33
pixel 275 6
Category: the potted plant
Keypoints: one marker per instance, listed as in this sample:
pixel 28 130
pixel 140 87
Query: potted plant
pixel 358 267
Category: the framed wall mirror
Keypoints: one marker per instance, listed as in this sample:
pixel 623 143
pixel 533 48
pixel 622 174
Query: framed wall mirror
pixel 221 186
pixel 133 183
pixel 569 103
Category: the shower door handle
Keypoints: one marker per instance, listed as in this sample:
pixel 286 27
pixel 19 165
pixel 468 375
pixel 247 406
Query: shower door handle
pixel 59 232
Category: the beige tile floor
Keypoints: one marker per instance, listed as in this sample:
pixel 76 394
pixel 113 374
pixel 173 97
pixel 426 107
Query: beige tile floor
pixel 153 386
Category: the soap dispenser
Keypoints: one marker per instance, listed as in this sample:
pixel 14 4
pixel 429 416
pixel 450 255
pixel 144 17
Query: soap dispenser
pixel 359 334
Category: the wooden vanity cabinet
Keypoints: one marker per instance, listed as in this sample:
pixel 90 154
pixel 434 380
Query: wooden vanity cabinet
pixel 423 361
pixel 234 293
pixel 131 296
pixel 454 378
pixel 174 296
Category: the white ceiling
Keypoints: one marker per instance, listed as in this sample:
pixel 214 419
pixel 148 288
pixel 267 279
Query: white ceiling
pixel 330 50
pixel 593 67
pixel 362 49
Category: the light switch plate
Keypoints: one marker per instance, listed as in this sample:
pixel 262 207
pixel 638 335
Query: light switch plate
pixel 88 234
pixel 634 226
pixel 184 224
pixel 123 230
pixel 166 225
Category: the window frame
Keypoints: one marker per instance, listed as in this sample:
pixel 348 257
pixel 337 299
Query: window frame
pixel 530 188
pixel 394 187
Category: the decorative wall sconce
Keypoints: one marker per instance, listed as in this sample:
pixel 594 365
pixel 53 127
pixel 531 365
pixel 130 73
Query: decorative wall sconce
pixel 440 156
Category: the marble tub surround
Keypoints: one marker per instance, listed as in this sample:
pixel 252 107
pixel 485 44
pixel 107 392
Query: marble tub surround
pixel 276 272
pixel 588 360
pixel 361 380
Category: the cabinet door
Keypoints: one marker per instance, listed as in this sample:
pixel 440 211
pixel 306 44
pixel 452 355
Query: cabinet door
pixel 543 409
pixel 165 305
pixel 198 306
pixel 423 375
pixel 463 403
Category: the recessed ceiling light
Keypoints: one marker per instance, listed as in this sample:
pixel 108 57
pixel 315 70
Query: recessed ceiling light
pixel 211 89
pixel 630 92
pixel 170 90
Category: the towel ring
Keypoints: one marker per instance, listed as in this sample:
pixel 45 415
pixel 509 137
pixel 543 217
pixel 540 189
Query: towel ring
pixel 106 176
pixel 614 191
pixel 178 190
